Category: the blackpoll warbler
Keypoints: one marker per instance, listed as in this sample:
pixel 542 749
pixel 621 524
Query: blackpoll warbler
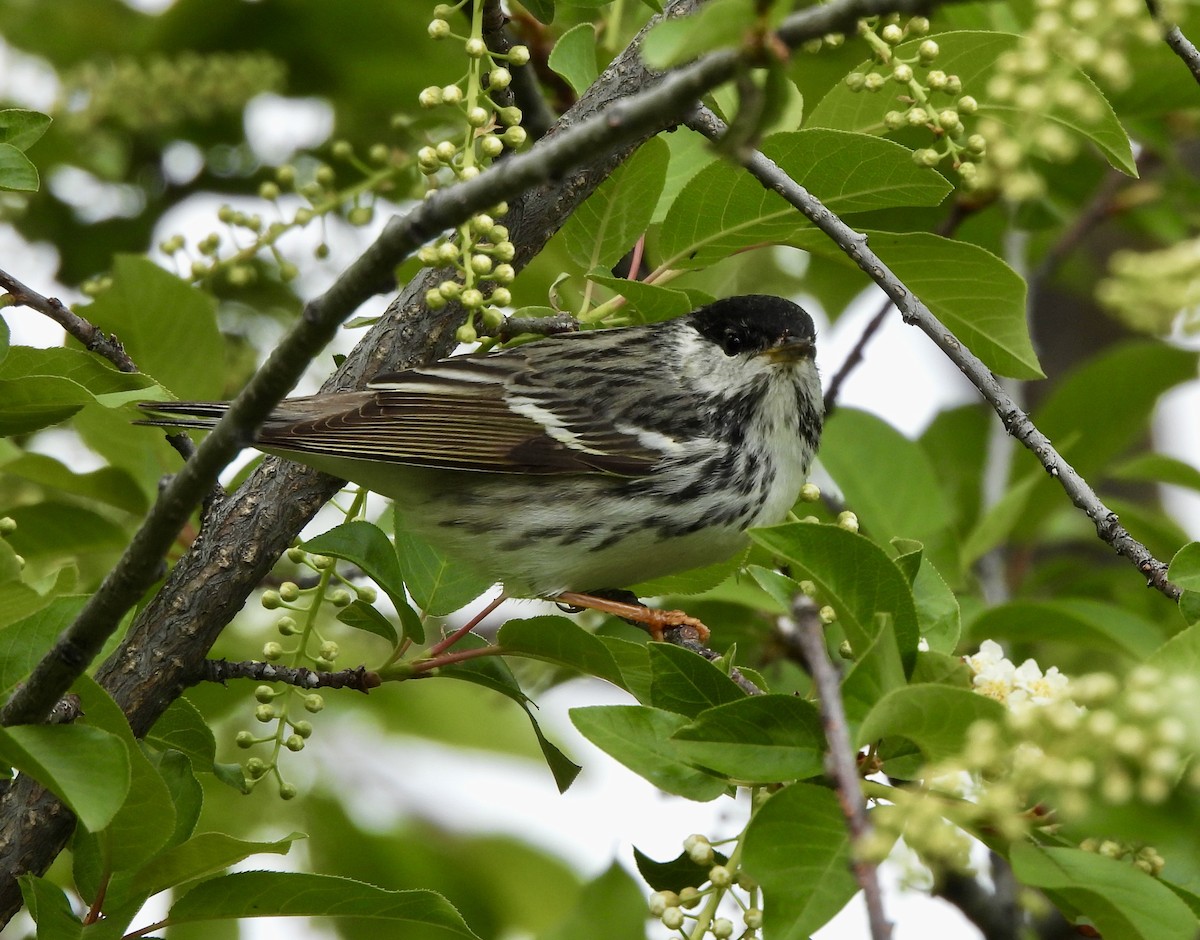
pixel 585 461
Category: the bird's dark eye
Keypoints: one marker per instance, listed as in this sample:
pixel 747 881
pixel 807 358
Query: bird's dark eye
pixel 732 343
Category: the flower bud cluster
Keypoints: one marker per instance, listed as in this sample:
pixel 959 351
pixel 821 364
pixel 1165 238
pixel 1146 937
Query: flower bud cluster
pixel 1145 857
pixel 249 250
pixel 722 878
pixel 479 256
pixel 1155 291
pixel 1038 83
pixel 1064 749
pixel 282 703
pixel 929 97
pixel 157 94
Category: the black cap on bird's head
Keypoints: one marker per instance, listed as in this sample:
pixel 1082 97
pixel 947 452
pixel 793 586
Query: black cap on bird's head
pixel 758 324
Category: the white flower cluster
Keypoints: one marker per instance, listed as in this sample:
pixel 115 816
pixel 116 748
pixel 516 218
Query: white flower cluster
pixel 1011 685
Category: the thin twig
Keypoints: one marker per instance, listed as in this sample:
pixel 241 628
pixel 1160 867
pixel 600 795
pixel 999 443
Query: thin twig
pixel 947 228
pixel 92 338
pixel 804 631
pixel 537 326
pixel 360 678
pixel 677 637
pixel 1016 421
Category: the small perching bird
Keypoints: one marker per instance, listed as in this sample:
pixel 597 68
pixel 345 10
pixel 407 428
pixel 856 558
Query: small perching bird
pixel 584 461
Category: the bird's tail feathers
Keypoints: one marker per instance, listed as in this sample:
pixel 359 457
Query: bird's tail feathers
pixel 192 414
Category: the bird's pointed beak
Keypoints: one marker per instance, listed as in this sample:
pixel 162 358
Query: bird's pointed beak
pixel 791 349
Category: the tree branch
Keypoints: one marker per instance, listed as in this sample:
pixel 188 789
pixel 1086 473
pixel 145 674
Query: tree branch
pixel 1015 421
pixel 359 678
pixel 803 631
pixel 92 339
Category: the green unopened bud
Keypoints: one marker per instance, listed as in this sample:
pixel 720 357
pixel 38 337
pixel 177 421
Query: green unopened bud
pixel 272 651
pixel 313 703
pixel 303 728
pixel 892 34
pixel 244 739
pixel 672 918
pixel 518 55
pixel 271 600
pixel 434 299
pixel 264 694
pixel 452 94
pixel 855 81
pixel 438 29
pixel 287 626
pixel 478 116
pixel 289 591
pixel 430 97
pixel 8 525
pixel 504 274
pixel 510 116
pixel 472 299
pixel 499 78
pixel 265 713
pixel 360 215
pixel 294 742
pixel 928 50
pixel 340 598
pixel 827 614
pixel 502 296
pixel 902 73
pixel 466 334
pixel 515 136
pixel 288 791
pixel 255 767
pixel 491 146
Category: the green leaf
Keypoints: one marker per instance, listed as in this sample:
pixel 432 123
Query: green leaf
pixel 295 894
pixel 85 767
pixel 17 171
pixel 198 857
pixel 758 738
pixel 1000 519
pixel 59 531
pixel 574 57
pixel 182 728
pixel 972 56
pixel 493 673
pixel 937 609
pixel 685 683
pixel 854 576
pixel 1179 654
pixel 674 875
pixel 600 232
pixel 438 585
pixel 723 209
pixel 168 327
pixel 362 616
pixel 1157 468
pixel 641 739
pixel 878 671
pixel 557 640
pixel 1101 413
pixel 1074 620
pixel 50 908
pixel 935 718
pixel 1184 569
pixel 41 387
pixel 109 485
pixel 889 481
pixel 652 303
pixel 25 641
pixel 1119 900
pixel 147 819
pixel 971 291
pixel 797 847
pixel 22 128
pixel 716 25
pixel 609 908
pixel 364 544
